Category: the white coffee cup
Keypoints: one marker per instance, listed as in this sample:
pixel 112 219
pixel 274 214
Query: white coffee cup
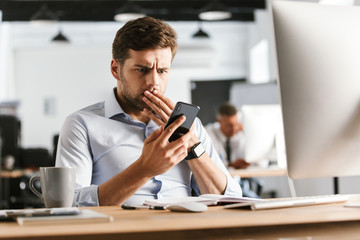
pixel 57 186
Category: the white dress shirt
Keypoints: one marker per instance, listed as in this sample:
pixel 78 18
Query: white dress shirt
pixel 237 143
pixel 101 141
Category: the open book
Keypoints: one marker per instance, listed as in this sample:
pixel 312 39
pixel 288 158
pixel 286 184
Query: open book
pixel 207 199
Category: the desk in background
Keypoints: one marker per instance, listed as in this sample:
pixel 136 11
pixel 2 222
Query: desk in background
pixel 258 172
pixel 328 221
pixel 255 172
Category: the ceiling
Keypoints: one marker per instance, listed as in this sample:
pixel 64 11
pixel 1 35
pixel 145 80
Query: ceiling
pixel 104 10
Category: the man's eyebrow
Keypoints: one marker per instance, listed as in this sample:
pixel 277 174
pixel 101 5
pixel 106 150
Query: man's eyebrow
pixel 147 67
pixel 142 66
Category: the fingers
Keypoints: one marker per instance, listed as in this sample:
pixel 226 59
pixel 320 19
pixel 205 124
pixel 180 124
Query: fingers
pixel 157 105
pixel 161 105
pixel 181 144
pixel 181 152
pixel 173 126
pixel 154 135
pixel 180 147
pixel 165 134
pixel 153 117
pixel 166 100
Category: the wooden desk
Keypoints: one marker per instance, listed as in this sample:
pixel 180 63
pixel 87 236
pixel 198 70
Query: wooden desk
pixel 328 221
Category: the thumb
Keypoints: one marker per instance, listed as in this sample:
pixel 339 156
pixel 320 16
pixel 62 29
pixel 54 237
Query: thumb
pixel 155 134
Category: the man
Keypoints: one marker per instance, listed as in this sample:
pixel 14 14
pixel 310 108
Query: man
pixel 228 137
pixel 120 148
pixel 229 141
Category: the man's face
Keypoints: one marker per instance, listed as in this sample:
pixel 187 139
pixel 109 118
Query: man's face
pixel 229 125
pixel 143 70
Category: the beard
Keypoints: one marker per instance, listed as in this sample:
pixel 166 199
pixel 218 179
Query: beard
pixel 133 100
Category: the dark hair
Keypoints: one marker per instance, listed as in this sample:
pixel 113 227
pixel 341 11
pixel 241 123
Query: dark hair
pixel 141 34
pixel 227 109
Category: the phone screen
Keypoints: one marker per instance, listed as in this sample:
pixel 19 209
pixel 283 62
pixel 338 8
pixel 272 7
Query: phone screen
pixel 190 111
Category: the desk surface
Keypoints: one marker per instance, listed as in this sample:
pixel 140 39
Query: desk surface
pixel 332 220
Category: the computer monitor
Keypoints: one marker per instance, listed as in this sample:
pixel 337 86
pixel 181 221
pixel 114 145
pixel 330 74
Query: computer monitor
pixel 263 129
pixel 318 51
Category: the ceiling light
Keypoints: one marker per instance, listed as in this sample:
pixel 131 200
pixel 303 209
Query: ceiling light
pixel 60 38
pixel 128 12
pixel 200 33
pixel 214 11
pixel 44 16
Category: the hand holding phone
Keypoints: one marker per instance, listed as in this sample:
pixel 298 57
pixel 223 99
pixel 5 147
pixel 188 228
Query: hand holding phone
pixel 190 111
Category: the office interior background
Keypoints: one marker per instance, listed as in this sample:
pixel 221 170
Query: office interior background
pixel 48 80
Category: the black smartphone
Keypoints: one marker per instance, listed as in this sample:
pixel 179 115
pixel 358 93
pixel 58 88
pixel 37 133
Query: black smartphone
pixel 190 111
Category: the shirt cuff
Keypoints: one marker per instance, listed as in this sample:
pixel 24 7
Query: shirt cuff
pixel 86 197
pixel 233 188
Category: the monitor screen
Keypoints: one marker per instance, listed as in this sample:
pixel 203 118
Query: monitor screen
pixel 318 51
pixel 263 129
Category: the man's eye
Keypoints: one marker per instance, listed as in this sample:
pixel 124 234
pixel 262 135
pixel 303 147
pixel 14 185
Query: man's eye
pixel 143 70
pixel 162 71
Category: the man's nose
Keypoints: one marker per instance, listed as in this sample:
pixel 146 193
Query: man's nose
pixel 153 79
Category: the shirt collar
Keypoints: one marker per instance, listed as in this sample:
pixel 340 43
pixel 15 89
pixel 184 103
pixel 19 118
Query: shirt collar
pixel 221 135
pixel 113 108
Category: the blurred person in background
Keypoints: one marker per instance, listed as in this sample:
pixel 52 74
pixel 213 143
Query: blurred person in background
pixel 229 141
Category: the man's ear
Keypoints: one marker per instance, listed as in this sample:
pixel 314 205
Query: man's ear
pixel 241 126
pixel 115 69
pixel 218 119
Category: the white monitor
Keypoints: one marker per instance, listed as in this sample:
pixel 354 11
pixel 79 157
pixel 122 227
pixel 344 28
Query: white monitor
pixel 262 126
pixel 318 51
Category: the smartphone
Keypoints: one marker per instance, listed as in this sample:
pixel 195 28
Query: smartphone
pixel 190 111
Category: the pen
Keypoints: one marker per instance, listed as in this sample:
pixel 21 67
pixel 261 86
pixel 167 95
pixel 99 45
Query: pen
pixel 132 207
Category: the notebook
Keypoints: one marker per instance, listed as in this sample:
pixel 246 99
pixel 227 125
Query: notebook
pixel 84 216
pixel 291 202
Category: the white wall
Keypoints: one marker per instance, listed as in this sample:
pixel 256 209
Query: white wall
pixel 53 80
pixel 69 77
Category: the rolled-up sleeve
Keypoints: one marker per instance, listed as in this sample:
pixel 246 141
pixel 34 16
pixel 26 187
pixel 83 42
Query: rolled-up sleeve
pixel 86 196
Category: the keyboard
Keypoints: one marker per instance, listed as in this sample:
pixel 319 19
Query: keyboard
pixel 291 202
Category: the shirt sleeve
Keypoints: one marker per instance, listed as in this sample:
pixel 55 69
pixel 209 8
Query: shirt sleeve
pixel 74 151
pixel 233 188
